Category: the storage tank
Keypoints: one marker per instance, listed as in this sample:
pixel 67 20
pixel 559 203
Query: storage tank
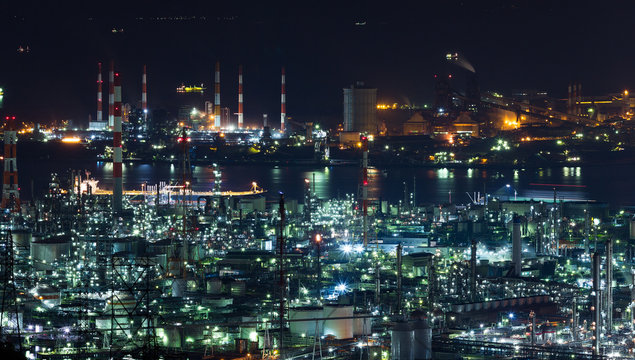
pixel 362 324
pixel 422 340
pixel 178 287
pixel 305 327
pixel 238 288
pixel 214 286
pixel 401 342
pixel 21 238
pixel 47 251
pixel 339 328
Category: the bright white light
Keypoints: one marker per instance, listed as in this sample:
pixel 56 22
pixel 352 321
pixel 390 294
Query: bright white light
pixel 341 287
pixel 359 248
pixel 347 248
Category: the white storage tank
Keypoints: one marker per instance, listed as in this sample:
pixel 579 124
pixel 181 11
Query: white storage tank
pixel 45 252
pixel 339 328
pixel 422 340
pixel 362 324
pixel 401 342
pixel 305 327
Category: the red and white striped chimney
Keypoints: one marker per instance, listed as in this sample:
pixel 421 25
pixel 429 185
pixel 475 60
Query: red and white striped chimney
pixel 100 116
pixel 217 96
pixel 117 193
pixel 283 102
pixel 10 189
pixel 240 96
pixel 144 93
pixel 111 95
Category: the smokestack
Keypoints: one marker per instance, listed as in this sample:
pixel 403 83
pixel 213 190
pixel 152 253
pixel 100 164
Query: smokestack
pixel 283 102
pixel 569 100
pixel 595 324
pixel 99 95
pixel 579 100
pixel 111 95
pixel 10 190
pixel 144 93
pixel 117 192
pixel 264 121
pixel 217 96
pixel 240 96
pixel 516 246
pixel 609 285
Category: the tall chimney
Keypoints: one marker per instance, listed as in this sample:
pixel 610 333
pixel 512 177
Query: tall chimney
pixel 217 96
pixel 240 96
pixel 579 100
pixel 283 102
pixel 10 189
pixel 144 93
pixel 100 115
pixel 570 100
pixel 111 95
pixel 117 192
pixel 516 247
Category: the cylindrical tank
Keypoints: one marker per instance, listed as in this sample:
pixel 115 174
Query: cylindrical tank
pixel 238 288
pixel 47 251
pixel 214 286
pixel 178 287
pixel 362 324
pixel 121 245
pixel 21 238
pixel 422 340
pixel 339 328
pixel 305 327
pixel 401 341
pixel 241 345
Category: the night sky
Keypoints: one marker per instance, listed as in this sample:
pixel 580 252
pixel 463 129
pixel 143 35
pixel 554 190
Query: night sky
pixel 512 44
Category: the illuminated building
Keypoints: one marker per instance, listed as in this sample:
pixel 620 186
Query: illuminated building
pixel 360 109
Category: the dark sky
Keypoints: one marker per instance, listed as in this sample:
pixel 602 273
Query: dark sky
pixel 512 44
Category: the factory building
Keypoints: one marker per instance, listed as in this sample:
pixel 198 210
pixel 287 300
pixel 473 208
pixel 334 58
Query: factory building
pixel 360 109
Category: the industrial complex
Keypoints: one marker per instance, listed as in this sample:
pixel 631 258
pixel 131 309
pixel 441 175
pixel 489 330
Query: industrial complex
pixel 96 268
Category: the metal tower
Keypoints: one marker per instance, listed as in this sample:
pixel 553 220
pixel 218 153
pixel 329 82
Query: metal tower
pixel 9 314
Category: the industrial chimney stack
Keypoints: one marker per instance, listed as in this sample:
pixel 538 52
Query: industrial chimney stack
pixel 144 93
pixel 10 190
pixel 100 83
pixel 117 193
pixel 283 102
pixel 217 96
pixel 111 95
pixel 240 96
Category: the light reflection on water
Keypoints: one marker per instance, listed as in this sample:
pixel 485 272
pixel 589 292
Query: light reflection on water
pixel 432 185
